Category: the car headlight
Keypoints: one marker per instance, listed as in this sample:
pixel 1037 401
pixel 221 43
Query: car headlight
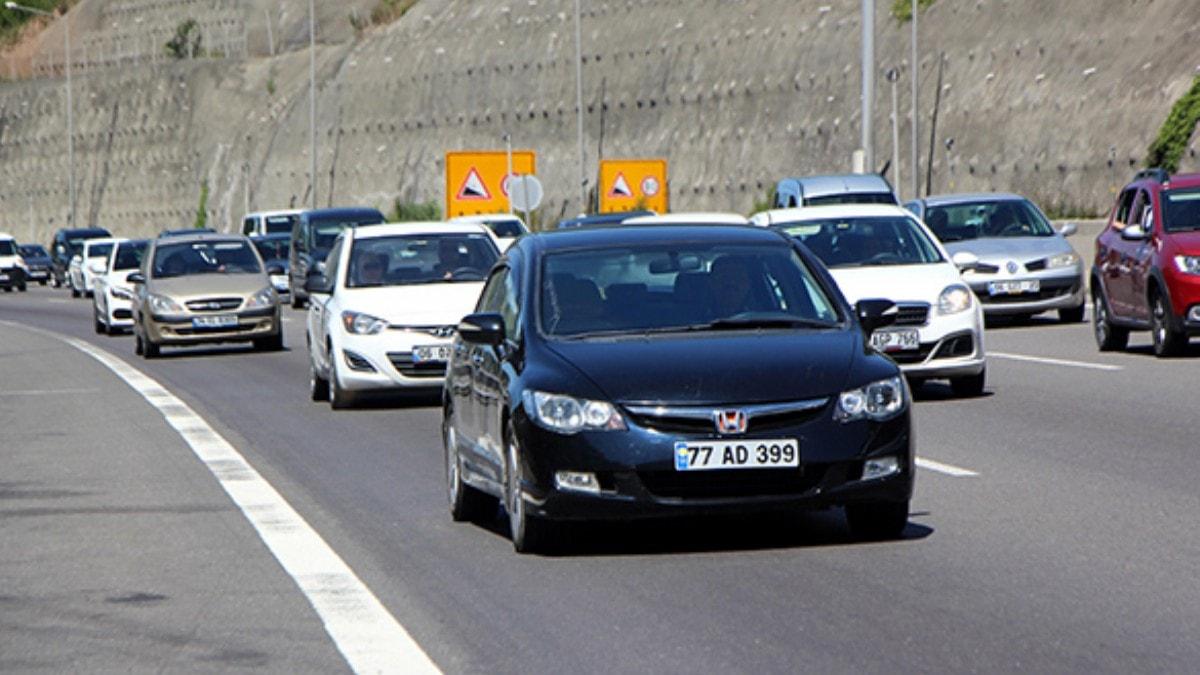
pixel 954 299
pixel 877 401
pixel 1063 260
pixel 122 293
pixel 1188 264
pixel 569 415
pixel 263 299
pixel 362 324
pixel 162 305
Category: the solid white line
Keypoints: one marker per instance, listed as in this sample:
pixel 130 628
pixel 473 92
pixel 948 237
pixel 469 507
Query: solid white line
pixel 369 637
pixel 948 469
pixel 1056 362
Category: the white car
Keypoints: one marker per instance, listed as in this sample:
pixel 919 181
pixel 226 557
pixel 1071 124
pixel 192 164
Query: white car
pixel 683 218
pixel 383 314
pixel 884 251
pixel 90 262
pixel 112 295
pixel 506 227
pixel 12 266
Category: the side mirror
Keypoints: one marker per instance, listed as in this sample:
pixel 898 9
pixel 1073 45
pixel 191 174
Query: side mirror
pixel 60 250
pixel 77 259
pixel 136 278
pixel 274 270
pixel 1068 229
pixel 965 261
pixel 874 314
pixel 1133 233
pixel 482 329
pixel 316 282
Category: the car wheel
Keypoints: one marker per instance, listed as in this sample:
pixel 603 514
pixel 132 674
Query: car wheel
pixel 149 349
pixel 529 534
pixel 1167 340
pixel 339 398
pixel 297 303
pixel 318 387
pixel 98 325
pixel 969 386
pixel 21 288
pixel 270 344
pixel 53 282
pixel 74 292
pixel 138 347
pixel 41 283
pixel 1071 314
pixel 8 289
pixel 466 503
pixel 876 521
pixel 1109 338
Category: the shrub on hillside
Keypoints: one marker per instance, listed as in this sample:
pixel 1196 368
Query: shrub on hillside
pixel 388 11
pixel 902 9
pixel 1176 131
pixel 406 212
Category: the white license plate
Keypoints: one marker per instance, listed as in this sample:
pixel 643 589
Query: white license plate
pixel 1014 287
pixel 737 454
pixel 218 321
pixel 3 277
pixel 431 354
pixel 896 340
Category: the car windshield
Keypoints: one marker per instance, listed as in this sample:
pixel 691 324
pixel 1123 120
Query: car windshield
pixel 987 219
pixel 507 229
pixel 1181 209
pixel 273 248
pixel 325 231
pixel 129 255
pixel 865 241
pixel 204 257
pixel 32 251
pixel 666 288
pixel 99 250
pixel 7 247
pixel 420 259
pixel 851 198
pixel 280 224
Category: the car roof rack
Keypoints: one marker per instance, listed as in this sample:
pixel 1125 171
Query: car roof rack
pixel 1157 173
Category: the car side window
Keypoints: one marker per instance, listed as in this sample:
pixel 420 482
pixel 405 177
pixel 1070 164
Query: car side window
pixel 1124 205
pixel 1135 212
pixel 333 261
pixel 248 226
pixel 510 307
pixel 492 297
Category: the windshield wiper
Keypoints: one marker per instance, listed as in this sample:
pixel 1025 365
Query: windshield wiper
pixel 767 321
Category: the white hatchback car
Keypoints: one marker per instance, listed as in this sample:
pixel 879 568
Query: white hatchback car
pixel 884 251
pixel 383 314
pixel 112 296
pixel 90 262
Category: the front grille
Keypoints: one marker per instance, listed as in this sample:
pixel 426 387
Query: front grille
pixel 699 420
pixel 122 314
pixel 984 268
pixel 912 314
pixel 918 356
pixel 403 363
pixel 188 330
pixel 434 331
pixel 732 483
pixel 214 304
pixel 952 347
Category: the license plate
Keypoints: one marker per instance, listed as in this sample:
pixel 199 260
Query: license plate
pixel 218 321
pixel 431 354
pixel 1014 287
pixel 38 275
pixel 896 340
pixel 738 454
pixel 3 277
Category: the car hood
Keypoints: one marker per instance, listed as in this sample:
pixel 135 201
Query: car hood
pixel 898 283
pixel 1187 243
pixel 209 285
pixel 716 368
pixel 37 261
pixel 1020 249
pixel 415 305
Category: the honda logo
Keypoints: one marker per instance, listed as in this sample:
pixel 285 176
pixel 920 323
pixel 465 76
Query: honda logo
pixel 730 421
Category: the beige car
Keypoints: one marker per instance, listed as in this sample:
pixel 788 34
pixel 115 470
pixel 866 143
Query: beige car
pixel 204 288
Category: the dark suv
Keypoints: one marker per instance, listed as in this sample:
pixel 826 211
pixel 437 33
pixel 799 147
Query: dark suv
pixel 1146 274
pixel 68 243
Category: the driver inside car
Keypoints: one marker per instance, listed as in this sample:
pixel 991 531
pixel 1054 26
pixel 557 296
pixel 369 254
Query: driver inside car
pixel 450 258
pixel 371 269
pixel 730 283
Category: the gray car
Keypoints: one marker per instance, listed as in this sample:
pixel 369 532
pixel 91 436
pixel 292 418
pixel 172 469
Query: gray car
pixel 1011 256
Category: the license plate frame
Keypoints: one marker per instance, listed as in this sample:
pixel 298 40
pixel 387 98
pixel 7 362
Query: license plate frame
pixel 737 453
pixel 422 354
pixel 1014 287
pixel 215 322
pixel 900 340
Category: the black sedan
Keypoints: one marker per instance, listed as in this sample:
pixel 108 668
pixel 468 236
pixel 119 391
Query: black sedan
pixel 669 370
pixel 37 261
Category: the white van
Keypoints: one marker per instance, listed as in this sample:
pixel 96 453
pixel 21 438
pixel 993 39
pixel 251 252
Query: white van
pixel 269 222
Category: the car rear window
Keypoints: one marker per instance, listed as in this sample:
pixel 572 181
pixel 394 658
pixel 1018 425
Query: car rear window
pixel 1181 209
pixel 851 198
pixel 280 224
pixel 420 259
pixel 99 250
pixel 129 255
pixel 7 247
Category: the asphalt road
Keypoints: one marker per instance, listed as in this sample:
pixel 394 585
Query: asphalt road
pixel 1071 548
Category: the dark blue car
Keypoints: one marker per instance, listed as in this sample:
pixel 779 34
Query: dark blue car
pixel 667 370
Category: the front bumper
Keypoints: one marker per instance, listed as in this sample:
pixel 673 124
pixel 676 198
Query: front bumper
pixel 178 330
pixel 950 346
pixel 1060 289
pixel 119 312
pixel 635 469
pixel 38 274
pixel 384 361
pixel 11 277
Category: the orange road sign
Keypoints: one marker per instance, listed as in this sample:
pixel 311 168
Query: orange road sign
pixel 475 181
pixel 628 184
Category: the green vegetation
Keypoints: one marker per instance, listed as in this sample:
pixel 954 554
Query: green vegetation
pixel 405 212
pixel 1176 131
pixel 187 42
pixel 202 210
pixel 13 21
pixel 766 203
pixel 388 11
pixel 902 9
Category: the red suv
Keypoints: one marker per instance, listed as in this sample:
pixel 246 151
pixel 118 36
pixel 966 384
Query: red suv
pixel 1147 270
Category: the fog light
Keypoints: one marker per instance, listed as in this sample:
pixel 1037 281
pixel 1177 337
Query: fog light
pixel 577 481
pixel 880 467
pixel 1194 313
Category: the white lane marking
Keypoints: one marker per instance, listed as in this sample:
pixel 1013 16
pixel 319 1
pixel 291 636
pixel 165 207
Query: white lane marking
pixel 948 469
pixel 369 637
pixel 1056 362
pixel 47 392
pixel 58 301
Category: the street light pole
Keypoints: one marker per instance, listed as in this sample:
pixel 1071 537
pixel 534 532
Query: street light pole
pixel 579 105
pixel 914 75
pixel 70 107
pixel 312 98
pixel 868 82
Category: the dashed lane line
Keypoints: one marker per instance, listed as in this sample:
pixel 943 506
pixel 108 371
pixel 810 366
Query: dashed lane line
pixel 948 469
pixel 368 636
pixel 1056 362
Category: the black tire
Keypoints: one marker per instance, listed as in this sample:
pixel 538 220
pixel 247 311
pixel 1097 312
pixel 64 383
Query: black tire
pixel 139 348
pixel 877 521
pixel 297 301
pixel 1072 314
pixel 74 292
pixel 111 330
pixel 466 503
pixel 529 533
pixel 270 344
pixel 339 399
pixel 1168 340
pixel 53 282
pixel 22 287
pixel 8 289
pixel 98 325
pixel 150 350
pixel 969 386
pixel 318 387
pixel 1109 338
pixel 42 283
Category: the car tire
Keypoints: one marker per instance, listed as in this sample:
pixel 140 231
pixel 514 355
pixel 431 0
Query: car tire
pixel 111 330
pixel 53 282
pixel 1072 314
pixel 41 283
pixel 297 303
pixel 969 386
pixel 1168 341
pixel 466 503
pixel 98 325
pixel 339 398
pixel 8 289
pixel 529 533
pixel 1109 338
pixel 270 344
pixel 877 521
pixel 318 387
pixel 74 292
pixel 150 350
pixel 138 346
pixel 21 288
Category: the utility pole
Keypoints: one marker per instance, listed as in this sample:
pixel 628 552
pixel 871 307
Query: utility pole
pixel 508 177
pixel 914 77
pixel 312 98
pixel 937 104
pixel 868 82
pixel 579 105
pixel 893 74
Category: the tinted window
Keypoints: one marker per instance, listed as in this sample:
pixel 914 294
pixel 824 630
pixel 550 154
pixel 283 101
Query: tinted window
pixel 854 242
pixel 280 224
pixel 852 198
pixel 248 226
pixel 671 287
pixel 208 257
pixel 505 228
pixel 33 251
pixel 1181 209
pixel 420 259
pixel 323 231
pixel 275 248
pixel 987 219
pixel 7 247
pixel 129 255
pixel 99 250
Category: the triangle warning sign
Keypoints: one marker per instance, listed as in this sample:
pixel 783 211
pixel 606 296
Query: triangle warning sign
pixel 620 187
pixel 473 187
